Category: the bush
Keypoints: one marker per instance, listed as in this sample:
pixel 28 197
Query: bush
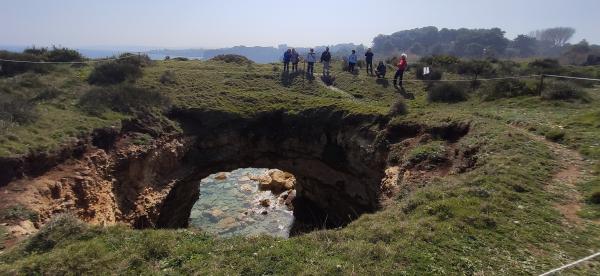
pixel 564 91
pixel 545 66
pixel 133 59
pixel 507 88
pixel 180 59
pixel 555 135
pixel 63 55
pixel 475 68
pixel 126 99
pixel 595 197
pixel 168 77
pixel 114 72
pixel 16 109
pixel 238 59
pixel 47 93
pixel 447 93
pixel 61 228
pixel 398 108
pixel 12 68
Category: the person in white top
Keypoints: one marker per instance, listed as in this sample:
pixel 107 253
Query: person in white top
pixel 311 58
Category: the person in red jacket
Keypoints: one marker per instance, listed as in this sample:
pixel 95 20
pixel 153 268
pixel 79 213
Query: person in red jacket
pixel 402 65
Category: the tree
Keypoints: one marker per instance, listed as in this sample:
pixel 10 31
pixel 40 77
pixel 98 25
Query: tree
pixel 559 36
pixel 525 44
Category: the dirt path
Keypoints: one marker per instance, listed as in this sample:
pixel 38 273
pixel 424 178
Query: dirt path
pixel 564 181
pixel 337 90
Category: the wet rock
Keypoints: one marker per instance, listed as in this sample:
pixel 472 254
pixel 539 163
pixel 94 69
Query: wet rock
pixel 227 223
pixel 221 176
pixel 246 188
pixel 265 202
pixel 276 181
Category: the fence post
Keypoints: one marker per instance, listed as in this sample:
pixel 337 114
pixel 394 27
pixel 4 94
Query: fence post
pixel 541 88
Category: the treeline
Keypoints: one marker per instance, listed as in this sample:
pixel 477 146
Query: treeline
pixel 479 43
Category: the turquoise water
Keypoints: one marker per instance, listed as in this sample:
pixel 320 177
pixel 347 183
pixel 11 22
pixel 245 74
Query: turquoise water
pixel 232 207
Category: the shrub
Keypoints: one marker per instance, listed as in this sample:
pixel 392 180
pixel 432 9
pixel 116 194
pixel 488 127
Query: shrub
pixel 114 72
pixel 14 68
pixel 238 59
pixel 398 108
pixel 595 197
pixel 446 92
pixel 133 59
pixel 564 91
pixel 63 55
pixel 545 66
pixel 180 59
pixel 46 94
pixel 507 88
pixel 555 135
pixel 61 228
pixel 475 68
pixel 16 109
pixel 168 77
pixel 126 99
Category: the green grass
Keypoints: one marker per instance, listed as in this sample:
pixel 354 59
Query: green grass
pixel 58 119
pixel 495 219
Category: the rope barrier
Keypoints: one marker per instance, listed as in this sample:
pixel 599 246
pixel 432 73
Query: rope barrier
pixel 570 264
pixel 574 78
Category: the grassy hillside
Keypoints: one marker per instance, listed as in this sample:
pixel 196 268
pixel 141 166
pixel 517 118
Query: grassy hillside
pixel 502 217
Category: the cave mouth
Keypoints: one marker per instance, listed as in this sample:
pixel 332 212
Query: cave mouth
pixel 245 202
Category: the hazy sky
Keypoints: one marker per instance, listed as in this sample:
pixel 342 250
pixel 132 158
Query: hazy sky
pixel 217 23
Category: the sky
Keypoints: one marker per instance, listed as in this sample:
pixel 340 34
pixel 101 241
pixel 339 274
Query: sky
pixel 223 23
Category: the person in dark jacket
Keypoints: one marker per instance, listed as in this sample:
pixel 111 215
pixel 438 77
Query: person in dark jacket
pixel 326 60
pixel 381 70
pixel 295 59
pixel 369 61
pixel 287 57
pixel 402 65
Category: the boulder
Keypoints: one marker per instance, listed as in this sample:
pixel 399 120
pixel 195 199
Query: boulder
pixel 221 176
pixel 276 181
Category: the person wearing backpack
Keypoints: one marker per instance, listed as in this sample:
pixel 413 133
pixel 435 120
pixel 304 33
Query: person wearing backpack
pixel 326 60
pixel 311 58
pixel 295 59
pixel 352 60
pixel 381 70
pixel 369 61
pixel 402 65
pixel 287 57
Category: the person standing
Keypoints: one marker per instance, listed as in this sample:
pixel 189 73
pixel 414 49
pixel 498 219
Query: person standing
pixel 295 58
pixel 311 58
pixel 369 61
pixel 402 65
pixel 352 60
pixel 287 57
pixel 326 60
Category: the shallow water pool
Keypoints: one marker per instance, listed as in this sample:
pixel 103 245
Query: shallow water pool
pixel 235 206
